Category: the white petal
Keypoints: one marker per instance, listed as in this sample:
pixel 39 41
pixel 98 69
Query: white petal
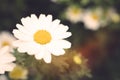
pixel 64 44
pixel 45 21
pixel 8 67
pixel 54 25
pixel 34 17
pixel 24 30
pixel 33 48
pixel 56 21
pixel 57 47
pixel 67 34
pixel 22 50
pixel 40 54
pixel 62 28
pixel 22 46
pixel 47 57
pixel 4 50
pixel 28 47
pixel 61 35
pixel 49 18
pixel 26 21
pixel 17 43
pixel 55 50
pixel 21 36
pixel 30 24
pixel 7 58
pixel 41 17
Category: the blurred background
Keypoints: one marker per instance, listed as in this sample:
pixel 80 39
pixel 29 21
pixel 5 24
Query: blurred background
pixel 95 27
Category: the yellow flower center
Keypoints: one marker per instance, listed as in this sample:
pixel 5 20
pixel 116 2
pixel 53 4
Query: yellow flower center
pixel 42 37
pixel 95 17
pixel 76 11
pixel 5 43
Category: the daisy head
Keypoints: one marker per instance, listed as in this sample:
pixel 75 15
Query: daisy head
pixel 6 39
pixel 6 60
pixel 92 19
pixel 74 14
pixel 41 37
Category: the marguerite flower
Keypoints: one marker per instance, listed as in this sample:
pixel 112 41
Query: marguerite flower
pixel 93 19
pixel 42 37
pixel 6 59
pixel 6 39
pixel 74 14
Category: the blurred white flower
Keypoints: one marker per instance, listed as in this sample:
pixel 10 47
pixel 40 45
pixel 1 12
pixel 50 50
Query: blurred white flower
pixel 93 18
pixel 42 37
pixel 6 59
pixel 6 39
pixel 113 16
pixel 3 77
pixel 74 14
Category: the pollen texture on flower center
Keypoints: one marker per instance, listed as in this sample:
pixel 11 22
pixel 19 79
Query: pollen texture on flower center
pixel 42 37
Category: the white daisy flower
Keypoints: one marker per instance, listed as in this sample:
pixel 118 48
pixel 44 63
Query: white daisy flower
pixel 93 19
pixel 42 37
pixel 6 60
pixel 74 14
pixel 6 39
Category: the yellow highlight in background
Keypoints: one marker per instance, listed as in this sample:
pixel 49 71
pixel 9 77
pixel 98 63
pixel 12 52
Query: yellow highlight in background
pixel 77 59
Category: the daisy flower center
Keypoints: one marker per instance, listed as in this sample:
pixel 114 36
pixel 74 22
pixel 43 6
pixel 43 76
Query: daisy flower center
pixel 5 43
pixel 94 16
pixel 76 11
pixel 42 37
